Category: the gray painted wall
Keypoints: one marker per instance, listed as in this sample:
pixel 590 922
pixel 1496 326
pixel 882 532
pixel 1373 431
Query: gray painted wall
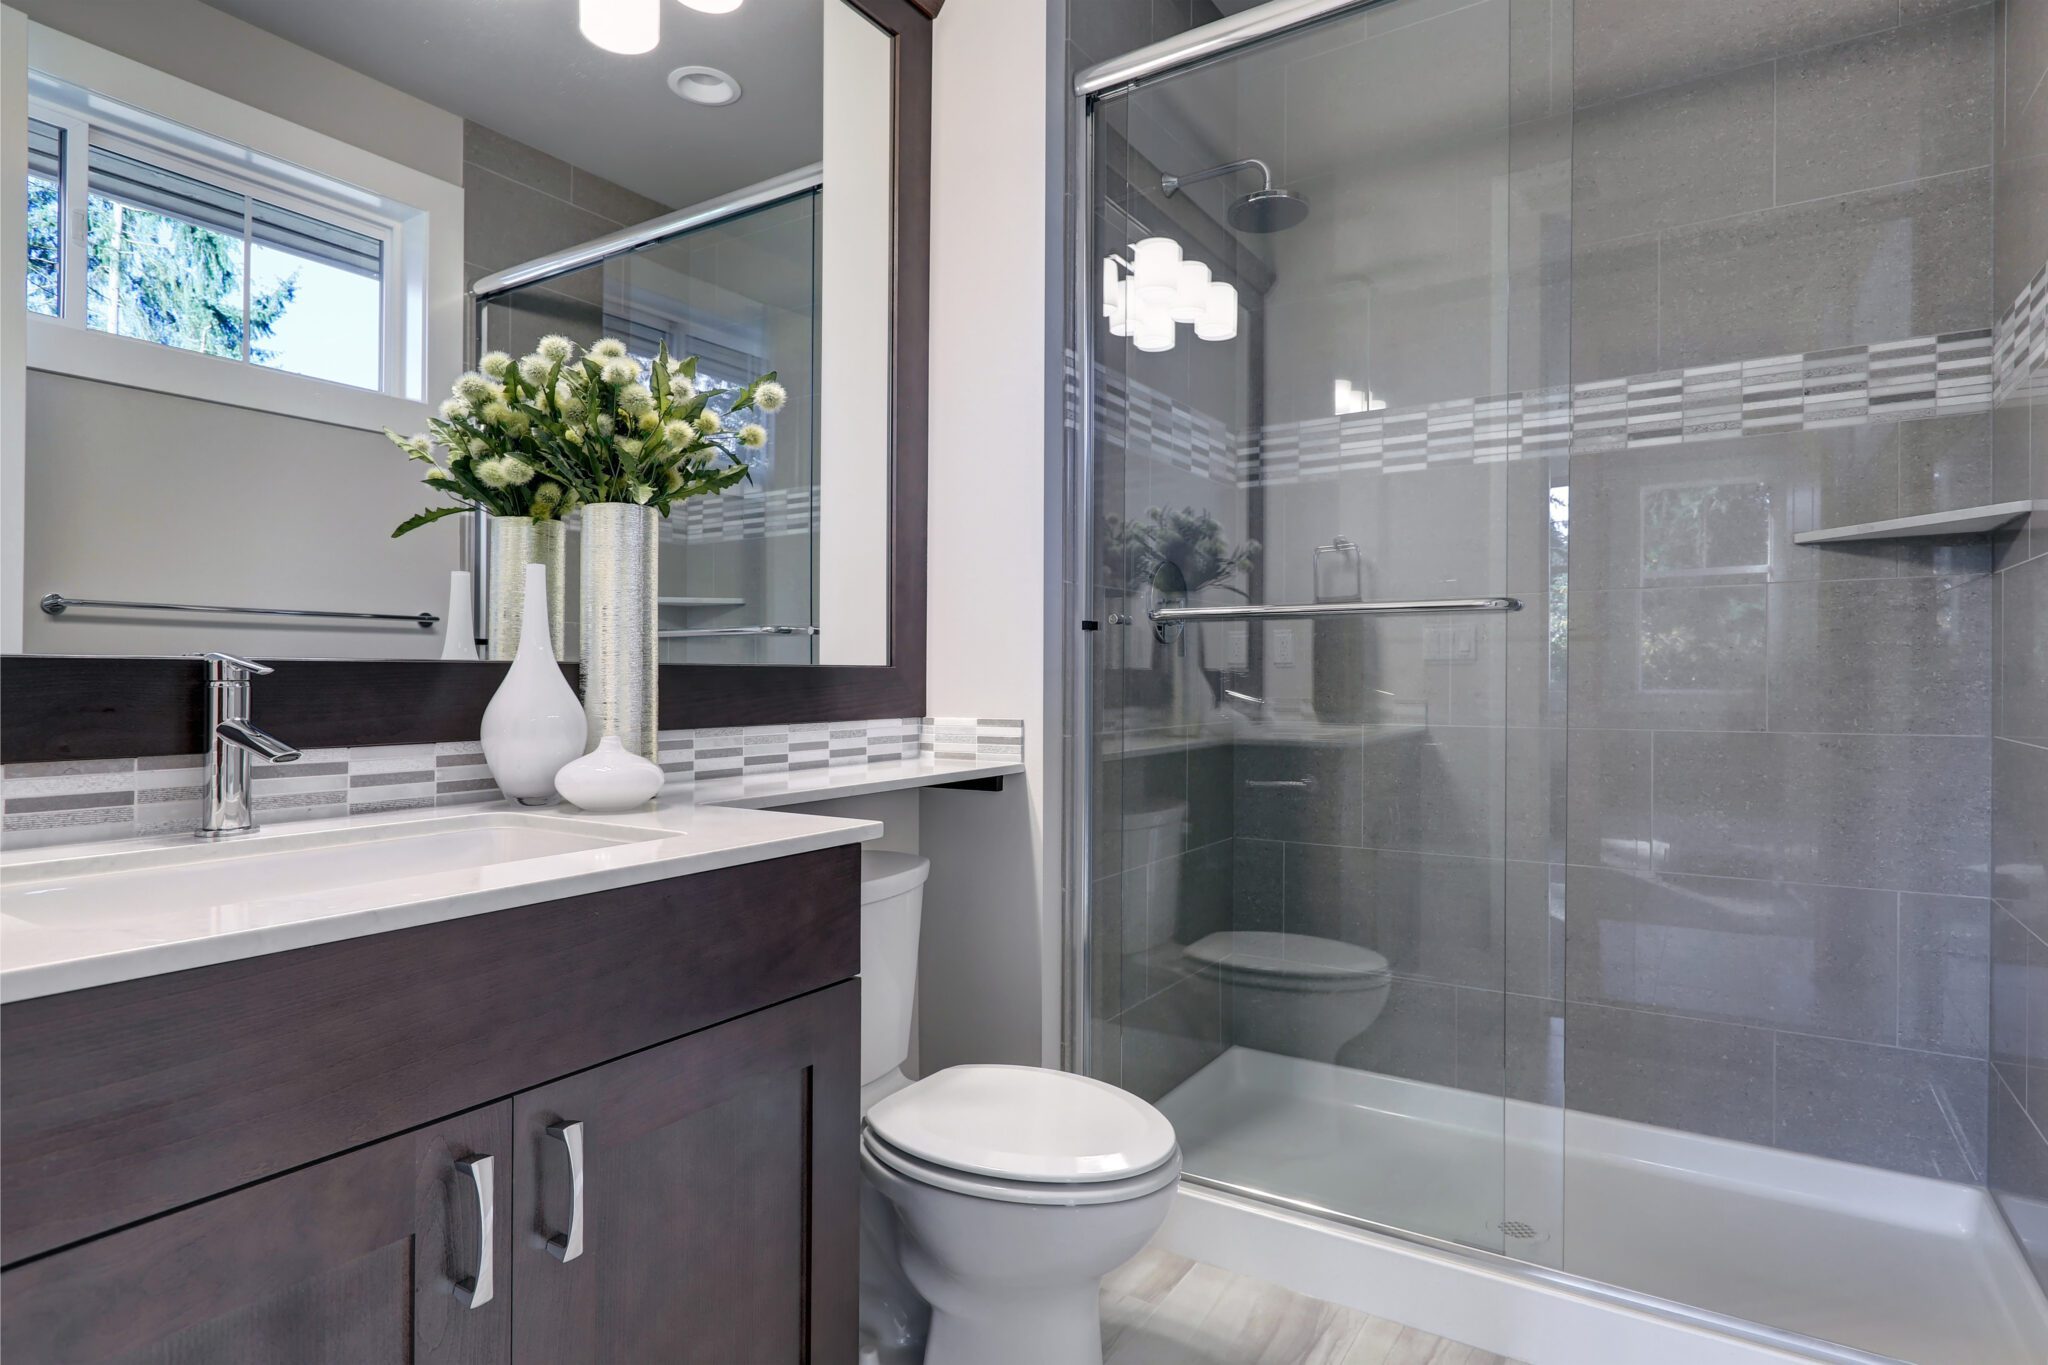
pixel 2019 762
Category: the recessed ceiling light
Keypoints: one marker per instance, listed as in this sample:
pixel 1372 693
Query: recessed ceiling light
pixel 714 6
pixel 627 27
pixel 704 85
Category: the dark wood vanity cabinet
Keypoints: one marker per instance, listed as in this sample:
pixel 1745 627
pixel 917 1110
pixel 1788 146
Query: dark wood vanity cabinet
pixel 652 1192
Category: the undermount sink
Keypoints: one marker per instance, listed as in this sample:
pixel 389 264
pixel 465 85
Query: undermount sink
pixel 273 877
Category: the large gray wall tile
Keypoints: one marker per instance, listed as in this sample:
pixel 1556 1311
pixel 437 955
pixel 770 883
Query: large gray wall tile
pixel 1668 658
pixel 1813 958
pixel 1609 820
pixel 2023 651
pixel 1945 973
pixel 1440 791
pixel 1432 917
pixel 2019 830
pixel 1614 308
pixel 1328 812
pixel 1626 46
pixel 1677 155
pixel 1909 102
pixel 1896 262
pixel 1688 1074
pixel 1909 655
pixel 1897 812
pixel 2019 1172
pixel 1918 1112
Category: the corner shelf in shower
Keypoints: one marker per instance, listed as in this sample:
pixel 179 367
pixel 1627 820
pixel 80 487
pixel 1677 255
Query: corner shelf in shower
pixel 702 601
pixel 1960 522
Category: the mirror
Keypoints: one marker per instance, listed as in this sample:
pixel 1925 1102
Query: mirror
pixel 259 236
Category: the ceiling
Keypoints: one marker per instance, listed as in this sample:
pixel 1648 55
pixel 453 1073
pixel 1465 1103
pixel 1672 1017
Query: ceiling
pixel 521 67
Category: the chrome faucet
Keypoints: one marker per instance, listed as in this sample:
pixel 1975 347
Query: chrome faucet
pixel 230 741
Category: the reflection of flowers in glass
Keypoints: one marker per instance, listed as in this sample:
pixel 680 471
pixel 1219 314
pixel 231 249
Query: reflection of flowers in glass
pixel 1175 552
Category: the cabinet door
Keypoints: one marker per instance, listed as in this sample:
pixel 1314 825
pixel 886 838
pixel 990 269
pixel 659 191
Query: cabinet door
pixel 697 1203
pixel 369 1258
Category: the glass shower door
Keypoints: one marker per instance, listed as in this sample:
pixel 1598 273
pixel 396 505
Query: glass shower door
pixel 1319 892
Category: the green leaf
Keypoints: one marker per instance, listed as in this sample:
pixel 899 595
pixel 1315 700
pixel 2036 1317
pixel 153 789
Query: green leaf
pixel 426 518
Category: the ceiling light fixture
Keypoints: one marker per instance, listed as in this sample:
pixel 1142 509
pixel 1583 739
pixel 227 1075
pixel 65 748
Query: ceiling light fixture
pixel 713 6
pixel 704 85
pixel 1145 295
pixel 627 27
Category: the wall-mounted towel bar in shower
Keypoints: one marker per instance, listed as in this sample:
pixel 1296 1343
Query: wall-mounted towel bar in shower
pixel 56 604
pixel 711 632
pixel 1299 611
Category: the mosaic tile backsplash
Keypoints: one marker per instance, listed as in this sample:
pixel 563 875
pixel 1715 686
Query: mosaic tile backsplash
pixel 120 798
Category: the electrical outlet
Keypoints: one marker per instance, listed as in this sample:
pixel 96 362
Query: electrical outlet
pixel 1455 644
pixel 1237 647
pixel 1283 647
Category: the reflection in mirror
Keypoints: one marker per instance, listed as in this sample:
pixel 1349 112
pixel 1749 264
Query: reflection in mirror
pixel 260 235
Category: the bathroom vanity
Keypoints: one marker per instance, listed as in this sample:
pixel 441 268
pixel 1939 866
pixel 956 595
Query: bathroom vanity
pixel 591 1105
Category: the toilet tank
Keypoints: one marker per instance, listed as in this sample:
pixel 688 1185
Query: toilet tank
pixel 891 904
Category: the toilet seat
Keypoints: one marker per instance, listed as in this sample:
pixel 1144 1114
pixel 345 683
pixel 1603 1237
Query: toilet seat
pixel 1299 962
pixel 1024 1124
pixel 1059 1193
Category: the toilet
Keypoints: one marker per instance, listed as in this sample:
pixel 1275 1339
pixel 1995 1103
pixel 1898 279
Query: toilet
pixel 1295 994
pixel 995 1198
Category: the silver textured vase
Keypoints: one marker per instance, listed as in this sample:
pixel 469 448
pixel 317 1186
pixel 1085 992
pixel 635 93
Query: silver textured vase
pixel 620 648
pixel 515 543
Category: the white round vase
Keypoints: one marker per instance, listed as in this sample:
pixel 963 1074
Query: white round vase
pixel 610 779
pixel 534 724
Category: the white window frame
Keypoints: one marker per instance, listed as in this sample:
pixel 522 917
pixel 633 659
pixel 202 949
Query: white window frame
pixel 100 98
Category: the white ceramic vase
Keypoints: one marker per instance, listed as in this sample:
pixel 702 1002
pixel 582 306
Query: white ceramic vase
pixel 610 779
pixel 534 724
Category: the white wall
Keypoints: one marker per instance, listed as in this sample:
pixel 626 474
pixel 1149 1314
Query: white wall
pixel 990 982
pixel 853 344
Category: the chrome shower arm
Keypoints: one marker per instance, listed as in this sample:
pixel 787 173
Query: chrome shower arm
pixel 1174 184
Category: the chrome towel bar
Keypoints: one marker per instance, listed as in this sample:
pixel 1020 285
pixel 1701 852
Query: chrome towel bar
pixel 56 604
pixel 1177 616
pixel 711 632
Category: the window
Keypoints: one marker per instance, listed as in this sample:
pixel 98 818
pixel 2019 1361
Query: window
pixel 178 240
pixel 196 257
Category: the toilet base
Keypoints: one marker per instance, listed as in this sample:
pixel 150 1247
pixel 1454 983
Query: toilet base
pixel 1064 1327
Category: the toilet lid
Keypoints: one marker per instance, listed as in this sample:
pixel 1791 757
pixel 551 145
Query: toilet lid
pixel 1024 1123
pixel 1296 957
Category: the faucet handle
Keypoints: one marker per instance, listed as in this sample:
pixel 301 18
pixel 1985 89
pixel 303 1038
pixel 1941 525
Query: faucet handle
pixel 232 668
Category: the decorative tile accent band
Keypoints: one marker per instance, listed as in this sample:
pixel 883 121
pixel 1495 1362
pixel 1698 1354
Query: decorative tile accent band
pixel 745 514
pixel 2021 354
pixel 1888 381
pixel 121 798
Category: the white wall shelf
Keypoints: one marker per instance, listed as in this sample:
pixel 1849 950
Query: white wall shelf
pixel 1960 522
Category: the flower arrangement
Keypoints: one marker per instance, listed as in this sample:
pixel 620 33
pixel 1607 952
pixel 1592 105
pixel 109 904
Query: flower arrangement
pixel 543 435
pixel 1178 553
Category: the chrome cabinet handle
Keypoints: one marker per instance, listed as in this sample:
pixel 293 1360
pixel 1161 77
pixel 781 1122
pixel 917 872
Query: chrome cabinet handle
pixel 1299 784
pixel 567 1246
pixel 477 1292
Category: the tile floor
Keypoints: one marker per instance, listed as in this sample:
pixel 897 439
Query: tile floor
pixel 1163 1309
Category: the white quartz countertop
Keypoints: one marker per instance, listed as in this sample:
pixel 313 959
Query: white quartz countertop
pixel 86 915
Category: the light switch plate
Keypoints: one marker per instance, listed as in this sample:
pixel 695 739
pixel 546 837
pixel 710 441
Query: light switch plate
pixel 1283 647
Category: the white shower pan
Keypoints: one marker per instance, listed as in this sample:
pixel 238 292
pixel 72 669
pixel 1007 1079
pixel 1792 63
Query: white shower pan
pixel 1890 1266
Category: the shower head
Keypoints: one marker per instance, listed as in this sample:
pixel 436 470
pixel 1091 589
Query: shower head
pixel 1265 209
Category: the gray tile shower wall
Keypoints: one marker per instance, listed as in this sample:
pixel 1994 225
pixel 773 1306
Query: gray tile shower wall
pixel 1780 756
pixel 120 798
pixel 2019 762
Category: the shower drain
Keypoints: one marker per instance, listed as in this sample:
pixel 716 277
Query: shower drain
pixel 1520 1231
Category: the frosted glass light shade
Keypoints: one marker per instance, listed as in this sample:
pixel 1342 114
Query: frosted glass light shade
pixel 1193 296
pixel 627 27
pixel 1112 287
pixel 1151 329
pixel 1116 306
pixel 1157 275
pixel 713 6
pixel 1219 317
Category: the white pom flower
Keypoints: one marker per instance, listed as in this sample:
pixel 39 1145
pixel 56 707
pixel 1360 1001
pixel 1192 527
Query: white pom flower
pixel 534 369
pixel 555 348
pixel 605 425
pixel 496 364
pixel 710 423
pixel 473 388
pixel 491 474
pixel 629 447
pixel 453 408
pixel 610 348
pixel 573 436
pixel 619 370
pixel 497 412
pixel 516 471
pixel 479 447
pixel 636 397
pixel 770 397
pixel 680 432
pixel 646 420
pixel 438 475
pixel 753 436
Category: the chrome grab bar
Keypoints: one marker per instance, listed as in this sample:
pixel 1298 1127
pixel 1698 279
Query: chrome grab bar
pixel 1303 610
pixel 56 603
pixel 709 632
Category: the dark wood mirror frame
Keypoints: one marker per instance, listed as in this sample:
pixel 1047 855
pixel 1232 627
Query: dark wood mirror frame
pixel 56 708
